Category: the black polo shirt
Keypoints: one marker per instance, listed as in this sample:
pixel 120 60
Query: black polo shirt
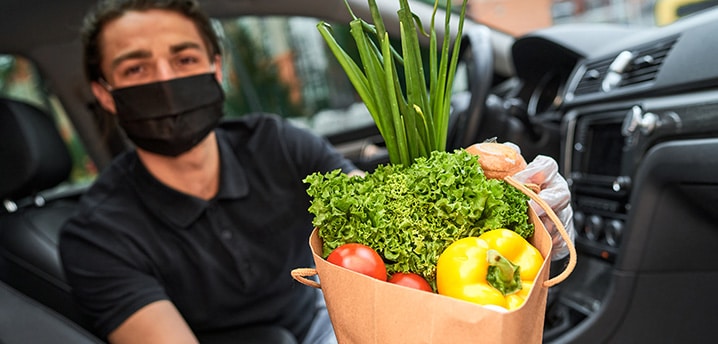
pixel 224 263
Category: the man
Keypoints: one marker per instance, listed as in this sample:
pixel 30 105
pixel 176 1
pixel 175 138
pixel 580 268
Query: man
pixel 191 235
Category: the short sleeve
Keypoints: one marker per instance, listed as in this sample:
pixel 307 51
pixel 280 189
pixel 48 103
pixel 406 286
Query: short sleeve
pixel 106 278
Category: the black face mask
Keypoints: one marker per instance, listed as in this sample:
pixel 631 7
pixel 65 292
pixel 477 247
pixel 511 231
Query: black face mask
pixel 170 117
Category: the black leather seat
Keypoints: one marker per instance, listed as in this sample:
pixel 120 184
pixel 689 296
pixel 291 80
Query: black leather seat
pixel 22 320
pixel 34 161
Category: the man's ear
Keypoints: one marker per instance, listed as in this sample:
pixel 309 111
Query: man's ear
pixel 103 97
pixel 218 68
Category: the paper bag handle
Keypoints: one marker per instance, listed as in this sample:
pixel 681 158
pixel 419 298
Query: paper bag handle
pixel 301 274
pixel 557 222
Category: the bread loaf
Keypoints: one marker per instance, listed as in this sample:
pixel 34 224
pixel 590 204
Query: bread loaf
pixel 497 160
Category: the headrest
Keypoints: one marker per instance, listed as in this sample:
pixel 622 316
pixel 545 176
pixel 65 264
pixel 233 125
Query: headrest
pixel 33 157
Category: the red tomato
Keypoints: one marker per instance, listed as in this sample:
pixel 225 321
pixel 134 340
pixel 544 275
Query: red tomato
pixel 360 258
pixel 411 280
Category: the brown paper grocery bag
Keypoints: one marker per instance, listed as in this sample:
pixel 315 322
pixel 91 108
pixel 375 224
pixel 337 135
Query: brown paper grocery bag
pixel 366 310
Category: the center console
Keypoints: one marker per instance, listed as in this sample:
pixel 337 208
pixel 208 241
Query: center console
pixel 598 166
pixel 600 180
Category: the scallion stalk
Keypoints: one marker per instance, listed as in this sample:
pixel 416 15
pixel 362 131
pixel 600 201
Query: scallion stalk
pixel 413 120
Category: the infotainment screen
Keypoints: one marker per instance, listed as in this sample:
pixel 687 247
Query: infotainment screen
pixel 604 145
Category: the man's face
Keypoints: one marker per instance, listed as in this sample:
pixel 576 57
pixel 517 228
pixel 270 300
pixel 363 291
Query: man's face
pixel 148 46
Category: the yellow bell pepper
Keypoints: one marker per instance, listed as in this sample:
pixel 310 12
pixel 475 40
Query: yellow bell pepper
pixel 496 268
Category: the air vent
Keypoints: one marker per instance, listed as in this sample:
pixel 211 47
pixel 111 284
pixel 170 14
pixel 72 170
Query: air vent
pixel 592 77
pixel 629 68
pixel 647 62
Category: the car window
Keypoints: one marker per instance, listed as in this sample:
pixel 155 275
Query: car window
pixel 282 65
pixel 20 80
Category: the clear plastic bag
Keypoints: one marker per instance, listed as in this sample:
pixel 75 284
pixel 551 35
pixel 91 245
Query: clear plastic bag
pixel 543 171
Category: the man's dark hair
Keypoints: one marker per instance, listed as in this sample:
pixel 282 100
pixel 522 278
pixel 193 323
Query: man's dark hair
pixel 108 10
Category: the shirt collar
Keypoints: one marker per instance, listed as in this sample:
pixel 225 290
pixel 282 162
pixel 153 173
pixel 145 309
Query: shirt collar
pixel 233 182
pixel 179 209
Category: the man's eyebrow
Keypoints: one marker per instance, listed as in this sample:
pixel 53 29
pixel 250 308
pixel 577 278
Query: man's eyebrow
pixel 137 54
pixel 184 46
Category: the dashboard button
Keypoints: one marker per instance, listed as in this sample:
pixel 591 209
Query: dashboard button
pixel 622 183
pixel 579 220
pixel 613 232
pixel 593 229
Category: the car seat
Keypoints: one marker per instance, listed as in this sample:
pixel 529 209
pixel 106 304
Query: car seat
pixel 34 162
pixel 23 320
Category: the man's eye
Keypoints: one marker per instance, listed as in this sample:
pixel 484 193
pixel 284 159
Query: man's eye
pixel 187 60
pixel 130 71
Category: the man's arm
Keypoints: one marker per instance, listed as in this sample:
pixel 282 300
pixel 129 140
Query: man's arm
pixel 158 322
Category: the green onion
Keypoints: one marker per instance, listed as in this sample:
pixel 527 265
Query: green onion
pixel 413 120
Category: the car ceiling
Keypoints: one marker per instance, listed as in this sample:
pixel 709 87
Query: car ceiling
pixel 43 22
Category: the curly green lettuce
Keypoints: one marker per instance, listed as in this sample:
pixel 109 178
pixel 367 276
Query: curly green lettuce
pixel 409 215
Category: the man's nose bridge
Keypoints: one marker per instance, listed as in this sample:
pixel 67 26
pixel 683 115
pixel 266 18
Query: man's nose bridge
pixel 164 70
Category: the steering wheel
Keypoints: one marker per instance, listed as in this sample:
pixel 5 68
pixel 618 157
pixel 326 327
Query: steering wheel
pixel 477 53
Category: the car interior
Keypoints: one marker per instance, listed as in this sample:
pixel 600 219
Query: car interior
pixel 34 159
pixel 630 113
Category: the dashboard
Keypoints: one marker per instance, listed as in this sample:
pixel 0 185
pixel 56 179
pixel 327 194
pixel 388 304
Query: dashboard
pixel 638 113
pixel 544 60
